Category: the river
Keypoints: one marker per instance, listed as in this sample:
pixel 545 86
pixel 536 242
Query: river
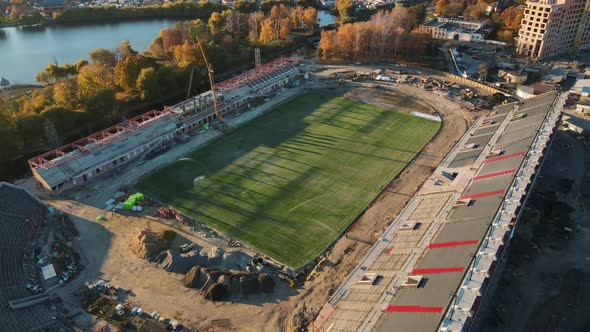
pixel 26 51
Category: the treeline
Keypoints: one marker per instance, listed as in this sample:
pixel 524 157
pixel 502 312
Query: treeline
pixel 192 10
pixel 388 34
pixel 88 95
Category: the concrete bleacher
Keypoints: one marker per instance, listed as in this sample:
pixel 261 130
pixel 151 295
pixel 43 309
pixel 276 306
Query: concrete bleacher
pixel 21 214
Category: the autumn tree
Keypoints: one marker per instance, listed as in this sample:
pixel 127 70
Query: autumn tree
pixel 455 8
pixel 310 18
pixel 285 29
pixel 441 7
pixel 345 8
pixel 254 22
pixel 170 37
pixel 93 78
pixel 512 17
pixel 65 94
pixel 125 51
pixel 216 22
pixel 103 57
pixel 387 34
pixel 188 54
pixel 477 10
pixel 296 17
pixel 345 39
pixel 327 45
pixel 267 31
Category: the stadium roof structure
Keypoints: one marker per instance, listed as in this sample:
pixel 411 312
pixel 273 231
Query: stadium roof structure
pixel 437 258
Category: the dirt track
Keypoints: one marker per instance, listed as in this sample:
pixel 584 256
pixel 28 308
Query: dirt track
pixel 154 289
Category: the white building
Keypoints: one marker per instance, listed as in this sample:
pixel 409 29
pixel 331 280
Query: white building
pixel 452 28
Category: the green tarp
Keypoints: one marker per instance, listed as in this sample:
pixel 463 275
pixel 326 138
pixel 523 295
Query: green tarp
pixel 132 200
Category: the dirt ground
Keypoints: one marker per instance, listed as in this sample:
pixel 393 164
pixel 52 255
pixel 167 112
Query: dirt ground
pixel 104 244
pixel 545 278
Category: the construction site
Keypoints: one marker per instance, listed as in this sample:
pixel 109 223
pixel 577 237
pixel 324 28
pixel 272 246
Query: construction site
pixel 297 196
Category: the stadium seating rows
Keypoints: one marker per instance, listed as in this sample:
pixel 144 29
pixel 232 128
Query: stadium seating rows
pixel 20 217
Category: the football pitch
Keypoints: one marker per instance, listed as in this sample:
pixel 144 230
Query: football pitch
pixel 289 182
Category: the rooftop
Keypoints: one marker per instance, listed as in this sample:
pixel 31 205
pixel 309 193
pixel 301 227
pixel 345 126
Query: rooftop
pixel 455 210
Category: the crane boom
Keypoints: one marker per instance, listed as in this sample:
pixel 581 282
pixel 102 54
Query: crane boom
pixel 210 73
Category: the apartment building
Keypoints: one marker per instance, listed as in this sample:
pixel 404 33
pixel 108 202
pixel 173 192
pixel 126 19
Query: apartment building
pixel 554 27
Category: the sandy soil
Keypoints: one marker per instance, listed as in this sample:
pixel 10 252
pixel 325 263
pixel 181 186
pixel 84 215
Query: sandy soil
pixel 545 277
pixel 104 244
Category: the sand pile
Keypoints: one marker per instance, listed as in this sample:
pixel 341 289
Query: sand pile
pixel 211 281
pixel 147 243
pixel 173 261
pixel 166 234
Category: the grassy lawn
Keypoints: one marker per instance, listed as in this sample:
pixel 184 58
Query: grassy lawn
pixel 292 180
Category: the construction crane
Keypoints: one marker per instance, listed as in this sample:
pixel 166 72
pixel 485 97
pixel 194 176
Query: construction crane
pixel 210 72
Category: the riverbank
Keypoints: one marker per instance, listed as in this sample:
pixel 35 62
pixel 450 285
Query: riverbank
pixel 112 14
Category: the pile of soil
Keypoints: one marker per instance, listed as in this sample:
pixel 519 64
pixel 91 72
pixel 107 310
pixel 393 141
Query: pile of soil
pixel 215 292
pixel 167 234
pixel 147 243
pixel 211 281
pixel 175 262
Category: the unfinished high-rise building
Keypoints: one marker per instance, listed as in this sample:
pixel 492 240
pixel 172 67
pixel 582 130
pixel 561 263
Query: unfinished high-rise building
pixel 554 27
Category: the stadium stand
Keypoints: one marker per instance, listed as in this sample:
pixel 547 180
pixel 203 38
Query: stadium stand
pixel 21 216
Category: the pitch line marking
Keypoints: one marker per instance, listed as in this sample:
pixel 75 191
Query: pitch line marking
pixel 252 186
pixel 322 224
pixel 298 205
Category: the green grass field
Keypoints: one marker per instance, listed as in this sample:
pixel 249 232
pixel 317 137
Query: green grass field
pixel 292 180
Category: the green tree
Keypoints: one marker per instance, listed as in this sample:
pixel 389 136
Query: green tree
pixel 62 117
pixel 31 132
pixel 147 84
pixel 126 73
pixel 307 3
pixel 246 6
pixel 103 57
pixel 102 104
pixel 345 8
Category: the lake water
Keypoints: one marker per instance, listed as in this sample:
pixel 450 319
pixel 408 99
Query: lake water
pixel 325 18
pixel 26 51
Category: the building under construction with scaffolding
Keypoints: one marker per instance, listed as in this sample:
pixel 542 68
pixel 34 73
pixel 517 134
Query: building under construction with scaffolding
pixel 77 162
